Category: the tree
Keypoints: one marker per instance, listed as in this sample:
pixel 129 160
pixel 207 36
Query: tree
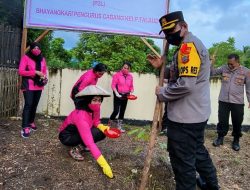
pixel 59 57
pixel 33 34
pixel 221 50
pixel 171 53
pixel 113 50
pixel 245 59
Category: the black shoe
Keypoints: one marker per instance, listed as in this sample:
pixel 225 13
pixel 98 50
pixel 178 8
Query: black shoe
pixel 236 144
pixel 218 141
pixel 163 132
pixel 201 183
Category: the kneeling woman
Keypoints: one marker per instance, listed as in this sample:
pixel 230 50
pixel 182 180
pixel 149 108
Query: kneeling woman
pixel 82 128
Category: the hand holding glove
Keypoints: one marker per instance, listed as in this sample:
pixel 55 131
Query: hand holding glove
pixel 109 132
pixel 117 94
pixel 102 127
pixel 105 166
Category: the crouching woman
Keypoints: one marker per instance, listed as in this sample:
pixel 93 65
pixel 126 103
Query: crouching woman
pixel 82 128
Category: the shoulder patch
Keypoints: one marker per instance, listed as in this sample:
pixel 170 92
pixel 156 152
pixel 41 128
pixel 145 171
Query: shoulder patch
pixel 188 60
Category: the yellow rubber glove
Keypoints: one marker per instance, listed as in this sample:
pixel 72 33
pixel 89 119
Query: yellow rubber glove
pixel 105 166
pixel 103 127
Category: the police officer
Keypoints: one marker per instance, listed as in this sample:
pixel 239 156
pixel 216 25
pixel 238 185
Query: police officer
pixel 231 98
pixel 188 104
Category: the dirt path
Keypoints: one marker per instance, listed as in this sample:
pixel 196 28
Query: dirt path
pixel 41 162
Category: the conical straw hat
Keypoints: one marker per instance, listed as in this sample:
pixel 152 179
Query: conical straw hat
pixel 93 90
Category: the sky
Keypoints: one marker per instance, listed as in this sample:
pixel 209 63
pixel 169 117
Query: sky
pixel 212 21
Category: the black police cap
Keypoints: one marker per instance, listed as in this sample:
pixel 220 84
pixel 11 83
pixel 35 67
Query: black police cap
pixel 169 21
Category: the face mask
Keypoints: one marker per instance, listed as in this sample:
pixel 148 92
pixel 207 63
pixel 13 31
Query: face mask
pixel 95 107
pixel 175 38
pixel 125 71
pixel 36 52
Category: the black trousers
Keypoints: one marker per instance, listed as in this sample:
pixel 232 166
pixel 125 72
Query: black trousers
pixel 237 114
pixel 31 100
pixel 120 105
pixel 188 155
pixel 71 137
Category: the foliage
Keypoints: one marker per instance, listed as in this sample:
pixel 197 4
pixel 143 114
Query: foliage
pixel 33 34
pixel 113 50
pixel 140 133
pixel 52 49
pixel 245 59
pixel 171 53
pixel 221 50
pixel 59 57
pixel 58 51
pixel 56 63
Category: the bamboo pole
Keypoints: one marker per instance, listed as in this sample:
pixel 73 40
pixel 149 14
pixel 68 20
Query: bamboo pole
pixel 158 55
pixel 39 38
pixel 23 47
pixel 154 129
pixel 150 47
pixel 24 41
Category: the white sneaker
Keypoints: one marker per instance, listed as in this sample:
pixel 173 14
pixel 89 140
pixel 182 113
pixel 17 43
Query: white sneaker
pixel 121 129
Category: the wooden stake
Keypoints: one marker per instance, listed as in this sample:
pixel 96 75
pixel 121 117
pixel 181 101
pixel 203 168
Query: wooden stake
pixel 154 129
pixel 24 41
pixel 150 47
pixel 23 47
pixel 39 38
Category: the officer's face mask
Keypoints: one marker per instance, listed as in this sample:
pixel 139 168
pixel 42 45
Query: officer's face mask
pixel 174 38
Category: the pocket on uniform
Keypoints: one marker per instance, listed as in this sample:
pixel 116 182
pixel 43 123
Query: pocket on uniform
pixel 239 80
pixel 225 77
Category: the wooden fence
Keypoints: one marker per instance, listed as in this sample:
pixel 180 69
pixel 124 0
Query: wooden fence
pixel 9 96
pixel 10 45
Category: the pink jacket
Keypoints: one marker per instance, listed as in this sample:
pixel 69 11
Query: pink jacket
pixel 27 70
pixel 123 83
pixel 84 121
pixel 88 78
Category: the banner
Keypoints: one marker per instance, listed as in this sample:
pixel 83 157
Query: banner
pixel 131 17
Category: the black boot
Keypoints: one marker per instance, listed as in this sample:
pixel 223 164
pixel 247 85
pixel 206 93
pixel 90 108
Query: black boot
pixel 236 144
pixel 218 141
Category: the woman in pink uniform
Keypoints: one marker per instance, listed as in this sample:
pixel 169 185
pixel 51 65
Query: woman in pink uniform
pixel 122 85
pixel 82 128
pixel 33 70
pixel 90 77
